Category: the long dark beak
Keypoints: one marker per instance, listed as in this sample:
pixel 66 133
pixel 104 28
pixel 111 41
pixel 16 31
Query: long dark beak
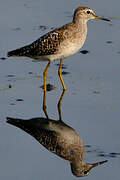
pixel 101 18
pixel 97 164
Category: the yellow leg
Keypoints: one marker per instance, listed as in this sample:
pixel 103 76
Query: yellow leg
pixel 44 105
pixel 45 75
pixel 60 74
pixel 45 88
pixel 59 105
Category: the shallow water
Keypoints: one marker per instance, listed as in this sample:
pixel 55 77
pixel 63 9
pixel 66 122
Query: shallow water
pixel 91 104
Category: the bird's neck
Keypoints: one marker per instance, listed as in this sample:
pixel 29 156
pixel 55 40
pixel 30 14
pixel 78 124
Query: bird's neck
pixel 80 26
pixel 79 19
pixel 80 23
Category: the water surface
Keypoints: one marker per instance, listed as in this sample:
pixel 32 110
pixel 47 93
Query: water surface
pixel 91 104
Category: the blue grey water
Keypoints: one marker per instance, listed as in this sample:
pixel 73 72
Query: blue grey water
pixel 91 104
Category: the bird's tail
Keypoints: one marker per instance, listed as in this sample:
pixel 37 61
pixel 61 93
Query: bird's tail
pixel 34 126
pixel 27 125
pixel 16 52
pixel 16 122
pixel 24 51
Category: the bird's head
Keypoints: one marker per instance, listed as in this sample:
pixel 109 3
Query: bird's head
pixel 86 14
pixel 83 169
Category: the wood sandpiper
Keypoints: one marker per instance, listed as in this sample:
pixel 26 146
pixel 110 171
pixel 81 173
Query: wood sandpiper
pixel 58 138
pixel 61 42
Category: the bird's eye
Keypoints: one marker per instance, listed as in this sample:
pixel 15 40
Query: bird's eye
pixel 88 12
pixel 85 172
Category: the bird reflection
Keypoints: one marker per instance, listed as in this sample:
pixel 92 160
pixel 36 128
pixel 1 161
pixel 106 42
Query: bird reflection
pixel 58 138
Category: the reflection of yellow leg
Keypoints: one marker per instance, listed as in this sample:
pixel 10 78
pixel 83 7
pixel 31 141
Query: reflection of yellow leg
pixel 44 105
pixel 45 75
pixel 59 105
pixel 60 74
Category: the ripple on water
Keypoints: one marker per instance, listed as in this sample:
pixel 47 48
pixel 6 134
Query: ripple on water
pixel 100 153
pixel 63 66
pixel 3 58
pixel 84 52
pixel 49 87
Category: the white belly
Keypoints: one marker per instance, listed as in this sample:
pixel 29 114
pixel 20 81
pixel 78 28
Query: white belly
pixel 65 50
pixel 63 53
pixel 70 50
